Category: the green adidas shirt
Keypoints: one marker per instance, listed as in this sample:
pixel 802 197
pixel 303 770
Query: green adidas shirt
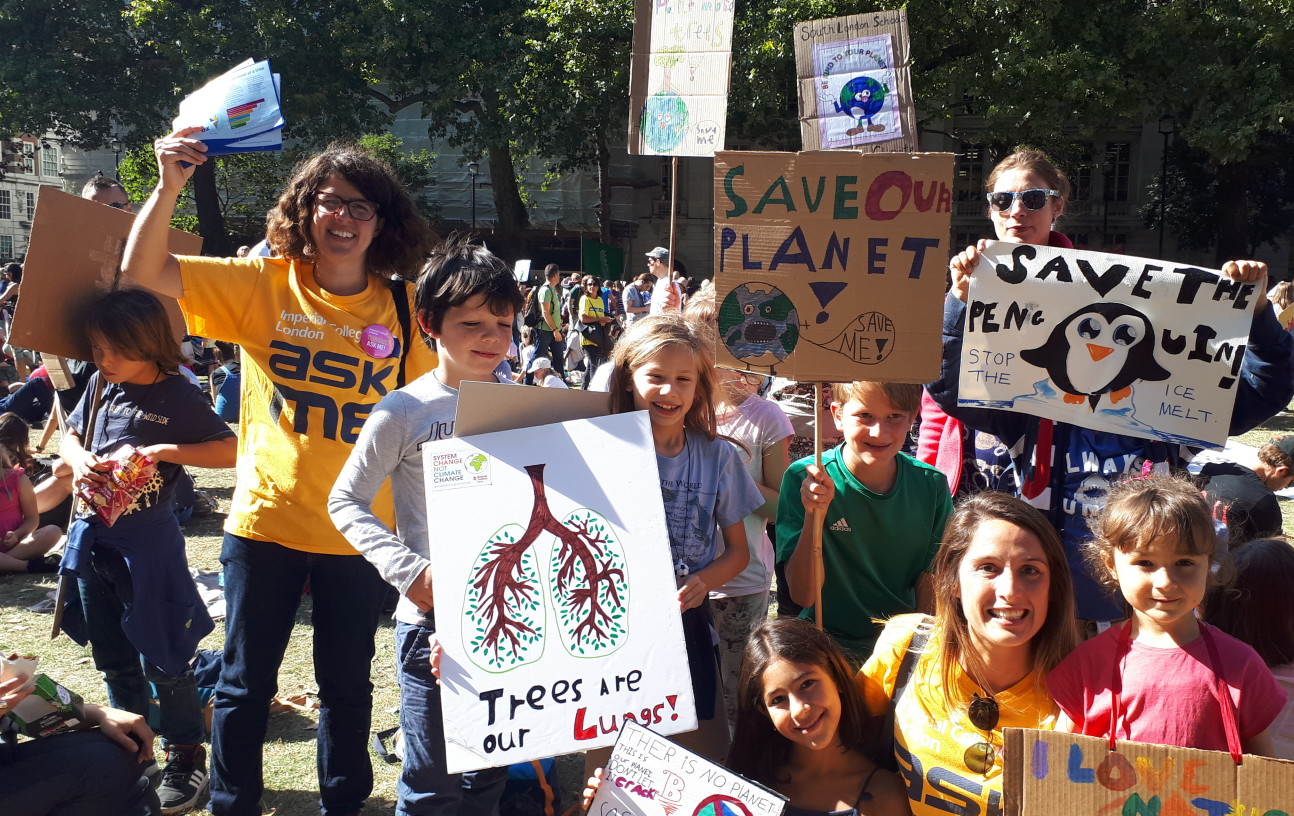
pixel 874 546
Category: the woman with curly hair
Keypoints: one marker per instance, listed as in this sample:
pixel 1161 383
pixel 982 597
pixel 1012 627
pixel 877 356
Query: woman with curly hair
pixel 325 331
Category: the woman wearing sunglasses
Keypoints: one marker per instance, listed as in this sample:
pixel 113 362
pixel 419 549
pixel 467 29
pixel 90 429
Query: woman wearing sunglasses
pixel 1027 193
pixel 326 331
pixel 1003 619
pixel 1065 470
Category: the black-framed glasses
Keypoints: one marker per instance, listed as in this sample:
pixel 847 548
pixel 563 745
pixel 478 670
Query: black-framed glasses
pixel 360 209
pixel 983 714
pixel 1034 199
pixel 118 205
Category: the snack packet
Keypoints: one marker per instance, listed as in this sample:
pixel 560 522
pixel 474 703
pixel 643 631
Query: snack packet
pixel 49 709
pixel 128 474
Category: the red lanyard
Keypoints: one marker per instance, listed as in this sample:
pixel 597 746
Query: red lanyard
pixel 1223 692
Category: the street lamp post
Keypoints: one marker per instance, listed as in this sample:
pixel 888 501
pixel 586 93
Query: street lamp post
pixel 116 146
pixel 1107 176
pixel 473 170
pixel 1167 127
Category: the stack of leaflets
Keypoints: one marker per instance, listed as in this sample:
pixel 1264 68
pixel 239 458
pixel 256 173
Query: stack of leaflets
pixel 238 111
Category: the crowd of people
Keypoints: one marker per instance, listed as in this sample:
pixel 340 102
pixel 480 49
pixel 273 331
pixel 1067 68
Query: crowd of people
pixel 968 584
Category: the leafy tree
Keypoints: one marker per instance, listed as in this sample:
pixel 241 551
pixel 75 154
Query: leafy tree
pixel 413 169
pixel 1191 199
pixel 574 88
pixel 76 70
pixel 246 185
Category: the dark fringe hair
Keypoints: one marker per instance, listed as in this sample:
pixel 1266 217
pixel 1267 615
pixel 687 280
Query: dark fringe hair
pixel 458 271
pixel 1139 509
pixel 758 750
pixel 1258 607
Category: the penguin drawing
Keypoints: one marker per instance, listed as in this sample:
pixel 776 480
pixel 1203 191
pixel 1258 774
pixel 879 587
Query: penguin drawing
pixel 1100 349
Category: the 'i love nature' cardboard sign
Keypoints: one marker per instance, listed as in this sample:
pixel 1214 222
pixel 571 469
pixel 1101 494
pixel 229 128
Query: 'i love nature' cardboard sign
pixel 1048 773
pixel 1127 345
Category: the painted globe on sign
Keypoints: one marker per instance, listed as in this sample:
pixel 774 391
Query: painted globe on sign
pixel 664 121
pixel 863 93
pixel 721 804
pixel 758 324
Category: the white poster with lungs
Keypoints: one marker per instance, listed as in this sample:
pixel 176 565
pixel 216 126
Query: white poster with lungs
pixel 556 603
pixel 1115 343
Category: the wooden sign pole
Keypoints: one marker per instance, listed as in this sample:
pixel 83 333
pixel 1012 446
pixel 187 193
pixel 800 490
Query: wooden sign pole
pixel 819 515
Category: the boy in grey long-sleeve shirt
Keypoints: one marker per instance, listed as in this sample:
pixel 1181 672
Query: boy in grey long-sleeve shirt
pixel 466 301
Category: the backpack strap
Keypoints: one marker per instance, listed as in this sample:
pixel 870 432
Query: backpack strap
pixel 916 645
pixel 400 295
pixel 909 664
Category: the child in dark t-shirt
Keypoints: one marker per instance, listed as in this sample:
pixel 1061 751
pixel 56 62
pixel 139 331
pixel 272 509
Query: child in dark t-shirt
pixel 139 399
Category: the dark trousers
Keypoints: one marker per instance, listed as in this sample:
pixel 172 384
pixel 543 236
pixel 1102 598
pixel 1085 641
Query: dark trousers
pixel 31 402
pixel 593 358
pixel 425 788
pixel 82 773
pixel 263 586
pixel 545 346
pixel 107 593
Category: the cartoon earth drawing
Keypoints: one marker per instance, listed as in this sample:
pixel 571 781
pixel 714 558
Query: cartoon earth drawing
pixel 1100 349
pixel 664 121
pixel 862 98
pixel 759 324
pixel 476 462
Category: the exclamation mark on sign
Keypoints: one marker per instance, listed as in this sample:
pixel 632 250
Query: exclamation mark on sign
pixel 672 699
pixel 826 292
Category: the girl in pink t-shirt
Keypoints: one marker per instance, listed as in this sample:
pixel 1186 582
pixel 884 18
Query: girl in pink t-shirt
pixel 23 543
pixel 1159 676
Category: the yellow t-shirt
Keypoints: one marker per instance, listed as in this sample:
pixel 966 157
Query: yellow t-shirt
pixel 929 741
pixel 307 387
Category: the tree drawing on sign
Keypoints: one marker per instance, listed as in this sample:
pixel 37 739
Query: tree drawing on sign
pixel 505 609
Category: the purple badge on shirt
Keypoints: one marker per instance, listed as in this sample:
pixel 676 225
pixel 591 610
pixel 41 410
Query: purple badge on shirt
pixel 377 341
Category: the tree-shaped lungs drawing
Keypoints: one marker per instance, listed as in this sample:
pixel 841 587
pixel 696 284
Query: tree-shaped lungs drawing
pixel 591 594
pixel 505 608
pixel 503 615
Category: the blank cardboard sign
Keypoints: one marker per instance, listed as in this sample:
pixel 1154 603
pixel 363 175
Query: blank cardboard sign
pixel 73 259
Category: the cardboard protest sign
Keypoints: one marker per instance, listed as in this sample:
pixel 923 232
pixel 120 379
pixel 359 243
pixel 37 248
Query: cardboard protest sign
pixel 1047 772
pixel 678 77
pixel 74 259
pixel 831 265
pixel 1110 342
pixel 855 82
pixel 648 775
pixel 485 407
pixel 555 594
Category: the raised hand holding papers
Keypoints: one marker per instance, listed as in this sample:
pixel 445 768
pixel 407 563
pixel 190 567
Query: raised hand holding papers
pixel 238 111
